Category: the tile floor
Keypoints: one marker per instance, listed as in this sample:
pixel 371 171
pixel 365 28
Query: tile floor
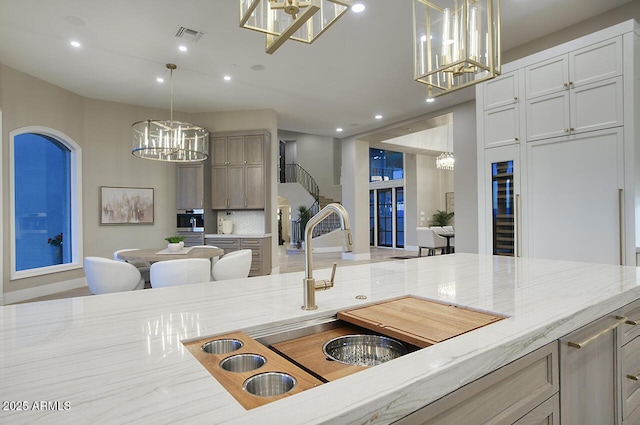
pixel 288 263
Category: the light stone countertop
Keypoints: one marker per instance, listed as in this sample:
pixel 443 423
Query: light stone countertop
pixel 117 358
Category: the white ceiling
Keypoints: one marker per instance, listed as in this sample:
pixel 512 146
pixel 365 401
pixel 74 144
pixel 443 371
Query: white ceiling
pixel 362 66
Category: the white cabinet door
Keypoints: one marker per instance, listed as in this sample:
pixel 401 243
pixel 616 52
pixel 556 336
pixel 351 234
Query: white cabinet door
pixel 597 105
pixel 547 77
pixel 502 126
pixel 596 62
pixel 501 91
pixel 572 199
pixel 548 116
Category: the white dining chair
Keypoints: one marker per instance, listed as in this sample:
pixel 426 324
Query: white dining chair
pixel 430 240
pixel 234 265
pixel 105 276
pixel 142 266
pixel 180 272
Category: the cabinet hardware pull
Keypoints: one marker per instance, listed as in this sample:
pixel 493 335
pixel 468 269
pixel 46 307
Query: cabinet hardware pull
pixel 634 377
pixel 572 129
pixel 620 320
pixel 516 139
pixel 632 322
pixel 566 85
pixel 566 130
pixel 518 239
pixel 515 98
pixel 620 226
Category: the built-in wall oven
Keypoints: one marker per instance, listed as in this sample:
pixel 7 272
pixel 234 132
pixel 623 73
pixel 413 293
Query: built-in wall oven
pixel 190 224
pixel 191 220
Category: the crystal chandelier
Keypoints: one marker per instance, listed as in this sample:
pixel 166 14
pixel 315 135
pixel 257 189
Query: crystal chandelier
pixel 300 20
pixel 171 141
pixel 445 161
pixel 456 43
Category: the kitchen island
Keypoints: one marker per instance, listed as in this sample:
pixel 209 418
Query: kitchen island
pixel 119 358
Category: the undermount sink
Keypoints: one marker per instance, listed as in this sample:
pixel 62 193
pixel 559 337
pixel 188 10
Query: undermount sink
pixel 261 365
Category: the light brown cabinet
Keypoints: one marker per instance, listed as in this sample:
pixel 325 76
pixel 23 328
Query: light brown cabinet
pixel 238 172
pixel 513 394
pixel 589 373
pixel 260 250
pixel 190 186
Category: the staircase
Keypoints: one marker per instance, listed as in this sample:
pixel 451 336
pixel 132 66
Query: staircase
pixel 294 173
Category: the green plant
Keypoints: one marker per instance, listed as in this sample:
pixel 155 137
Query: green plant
pixel 174 239
pixel 304 214
pixel 56 240
pixel 441 218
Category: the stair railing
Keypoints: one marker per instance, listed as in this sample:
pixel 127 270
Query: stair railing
pixel 294 173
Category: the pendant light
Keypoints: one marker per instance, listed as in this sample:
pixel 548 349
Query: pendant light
pixel 170 141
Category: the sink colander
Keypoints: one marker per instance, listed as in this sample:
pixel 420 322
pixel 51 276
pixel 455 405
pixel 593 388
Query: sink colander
pixel 363 350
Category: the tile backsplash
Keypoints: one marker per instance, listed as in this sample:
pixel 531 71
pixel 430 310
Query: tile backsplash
pixel 245 222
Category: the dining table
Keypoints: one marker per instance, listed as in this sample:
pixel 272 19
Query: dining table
pixel 152 255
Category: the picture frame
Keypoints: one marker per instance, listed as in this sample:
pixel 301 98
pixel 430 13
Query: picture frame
pixel 126 205
pixel 449 202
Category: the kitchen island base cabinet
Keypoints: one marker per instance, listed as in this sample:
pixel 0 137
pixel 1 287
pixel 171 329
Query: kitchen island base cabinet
pixel 589 373
pixel 507 396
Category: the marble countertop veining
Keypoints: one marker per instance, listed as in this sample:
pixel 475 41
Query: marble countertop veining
pixel 118 358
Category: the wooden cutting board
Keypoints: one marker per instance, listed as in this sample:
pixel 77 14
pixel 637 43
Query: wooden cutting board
pixel 307 352
pixel 418 321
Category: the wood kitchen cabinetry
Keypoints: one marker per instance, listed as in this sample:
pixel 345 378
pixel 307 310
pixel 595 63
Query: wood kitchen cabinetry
pixel 518 393
pixel 190 186
pixel 260 250
pixel 560 116
pixel 238 171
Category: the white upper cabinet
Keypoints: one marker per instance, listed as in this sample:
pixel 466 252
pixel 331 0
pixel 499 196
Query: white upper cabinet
pixel 550 76
pixel 501 126
pixel 577 92
pixel 501 91
pixel 596 62
pixel 584 66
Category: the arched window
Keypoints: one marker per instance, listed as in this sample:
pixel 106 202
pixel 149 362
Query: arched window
pixel 46 202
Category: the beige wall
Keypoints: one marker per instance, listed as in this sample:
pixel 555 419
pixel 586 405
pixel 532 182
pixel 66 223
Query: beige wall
pixel 623 13
pixel 103 131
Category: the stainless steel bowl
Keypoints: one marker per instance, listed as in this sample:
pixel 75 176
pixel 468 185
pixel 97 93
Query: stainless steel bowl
pixel 222 346
pixel 269 384
pixel 363 350
pixel 243 362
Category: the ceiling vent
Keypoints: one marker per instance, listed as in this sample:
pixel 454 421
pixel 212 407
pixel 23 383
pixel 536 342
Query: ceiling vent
pixel 189 34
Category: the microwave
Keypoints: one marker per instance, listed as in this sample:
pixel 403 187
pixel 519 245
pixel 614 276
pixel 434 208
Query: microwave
pixel 191 220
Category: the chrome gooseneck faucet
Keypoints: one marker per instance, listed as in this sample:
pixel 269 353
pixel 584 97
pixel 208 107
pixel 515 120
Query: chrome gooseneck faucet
pixel 310 285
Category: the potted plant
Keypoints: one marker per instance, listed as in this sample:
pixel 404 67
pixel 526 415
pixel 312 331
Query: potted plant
pixel 304 214
pixel 175 243
pixel 56 243
pixel 441 218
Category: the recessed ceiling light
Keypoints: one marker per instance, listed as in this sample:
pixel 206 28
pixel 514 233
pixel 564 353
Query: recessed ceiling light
pixel 339 129
pixel 430 99
pixel 75 43
pixel 358 7
pixel 160 80
pixel 182 48
pixel 257 67
pixel 227 77
pixel 378 117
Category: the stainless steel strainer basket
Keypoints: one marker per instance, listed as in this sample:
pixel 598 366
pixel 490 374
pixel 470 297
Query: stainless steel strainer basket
pixel 363 350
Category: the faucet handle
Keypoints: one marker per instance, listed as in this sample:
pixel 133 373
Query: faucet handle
pixel 333 273
pixel 323 285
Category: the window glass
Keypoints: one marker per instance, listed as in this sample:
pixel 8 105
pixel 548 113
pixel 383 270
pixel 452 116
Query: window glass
pixel 42 191
pixel 385 165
